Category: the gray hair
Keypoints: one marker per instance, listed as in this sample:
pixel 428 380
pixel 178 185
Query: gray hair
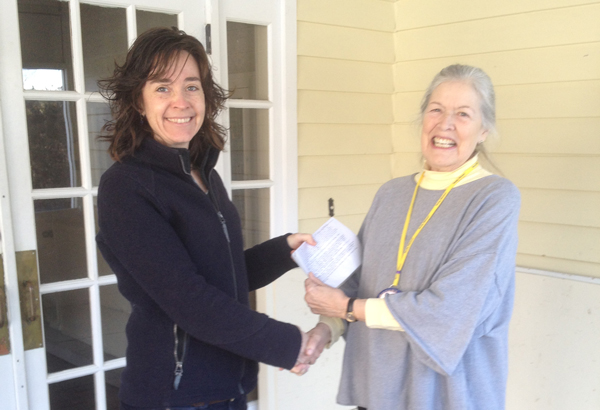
pixel 481 83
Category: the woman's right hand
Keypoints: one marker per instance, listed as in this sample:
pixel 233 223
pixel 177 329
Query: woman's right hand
pixel 317 339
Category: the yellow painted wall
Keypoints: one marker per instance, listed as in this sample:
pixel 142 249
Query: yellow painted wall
pixel 363 66
pixel 345 91
pixel 358 100
pixel 544 59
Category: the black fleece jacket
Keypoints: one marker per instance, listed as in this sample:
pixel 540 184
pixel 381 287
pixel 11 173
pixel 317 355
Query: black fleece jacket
pixel 179 260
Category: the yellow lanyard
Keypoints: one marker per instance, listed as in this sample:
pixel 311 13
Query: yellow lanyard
pixel 402 254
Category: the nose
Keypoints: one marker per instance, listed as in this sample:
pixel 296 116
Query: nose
pixel 447 121
pixel 179 99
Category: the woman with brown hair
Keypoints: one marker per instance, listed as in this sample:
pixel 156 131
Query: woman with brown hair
pixel 174 239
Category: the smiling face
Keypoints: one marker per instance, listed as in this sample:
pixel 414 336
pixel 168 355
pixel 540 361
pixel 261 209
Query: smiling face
pixel 452 126
pixel 174 103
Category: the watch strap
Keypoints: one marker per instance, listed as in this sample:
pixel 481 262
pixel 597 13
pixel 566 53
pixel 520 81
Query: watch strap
pixel 350 310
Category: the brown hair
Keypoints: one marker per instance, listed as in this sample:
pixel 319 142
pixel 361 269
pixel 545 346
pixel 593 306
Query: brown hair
pixel 152 55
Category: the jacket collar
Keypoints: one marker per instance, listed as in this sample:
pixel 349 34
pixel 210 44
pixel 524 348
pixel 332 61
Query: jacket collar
pixel 174 160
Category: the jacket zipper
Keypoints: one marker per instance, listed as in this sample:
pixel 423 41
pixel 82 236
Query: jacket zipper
pixel 235 289
pixel 179 364
pixel 179 359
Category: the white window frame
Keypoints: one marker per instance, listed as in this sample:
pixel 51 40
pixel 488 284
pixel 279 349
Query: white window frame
pixel 279 16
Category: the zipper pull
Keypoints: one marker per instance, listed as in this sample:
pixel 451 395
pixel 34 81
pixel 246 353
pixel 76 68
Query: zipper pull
pixel 224 224
pixel 178 374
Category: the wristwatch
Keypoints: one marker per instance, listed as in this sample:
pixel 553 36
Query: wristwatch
pixel 350 311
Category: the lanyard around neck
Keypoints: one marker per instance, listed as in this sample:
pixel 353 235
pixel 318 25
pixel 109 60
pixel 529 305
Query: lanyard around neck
pixel 402 253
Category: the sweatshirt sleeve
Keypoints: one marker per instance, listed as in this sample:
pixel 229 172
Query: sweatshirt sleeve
pixel 268 261
pixel 472 283
pixel 155 269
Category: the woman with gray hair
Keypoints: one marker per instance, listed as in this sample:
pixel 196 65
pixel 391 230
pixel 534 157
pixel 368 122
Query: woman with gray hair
pixel 426 316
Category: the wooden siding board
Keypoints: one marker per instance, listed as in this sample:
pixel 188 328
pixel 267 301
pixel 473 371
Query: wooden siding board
pixel 558 265
pixel 366 14
pixel 326 107
pixel 343 170
pixel 406 163
pixel 412 14
pixel 551 172
pixel 559 241
pixel 565 136
pixel 574 62
pixel 348 200
pixel 406 137
pixel 315 73
pixel 406 106
pixel 343 139
pixel 318 40
pixel 560 207
pixel 551 100
pixel 351 221
pixel 521 31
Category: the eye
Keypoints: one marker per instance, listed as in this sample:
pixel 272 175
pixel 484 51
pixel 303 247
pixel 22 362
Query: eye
pixel 193 88
pixel 463 114
pixel 162 89
pixel 435 110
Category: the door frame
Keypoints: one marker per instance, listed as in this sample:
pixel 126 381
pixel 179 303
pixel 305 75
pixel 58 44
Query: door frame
pixel 280 18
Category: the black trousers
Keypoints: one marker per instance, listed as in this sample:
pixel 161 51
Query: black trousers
pixel 362 408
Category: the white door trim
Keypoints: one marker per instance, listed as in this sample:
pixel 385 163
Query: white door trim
pixel 280 18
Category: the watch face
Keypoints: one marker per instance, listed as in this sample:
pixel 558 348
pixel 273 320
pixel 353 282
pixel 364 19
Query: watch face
pixel 350 317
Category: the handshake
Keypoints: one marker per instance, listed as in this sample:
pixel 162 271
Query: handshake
pixel 313 344
pixel 322 300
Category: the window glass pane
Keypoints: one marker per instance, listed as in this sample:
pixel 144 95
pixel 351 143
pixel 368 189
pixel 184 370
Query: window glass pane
pixel 247 61
pixel 45 44
pixel 60 239
pixel 75 394
pixel 113 384
pixel 98 114
pixel 67 330
pixel 147 19
pixel 253 207
pixel 53 147
pixel 115 313
pixel 104 41
pixel 43 79
pixel 249 138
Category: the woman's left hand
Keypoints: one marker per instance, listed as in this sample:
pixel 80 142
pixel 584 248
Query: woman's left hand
pixel 297 239
pixel 323 299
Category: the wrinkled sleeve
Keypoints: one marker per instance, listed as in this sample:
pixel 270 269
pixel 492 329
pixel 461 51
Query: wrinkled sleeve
pixel 159 263
pixel 441 320
pixel 268 261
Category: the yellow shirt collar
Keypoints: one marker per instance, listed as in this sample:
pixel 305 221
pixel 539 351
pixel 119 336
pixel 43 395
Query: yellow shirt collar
pixel 434 180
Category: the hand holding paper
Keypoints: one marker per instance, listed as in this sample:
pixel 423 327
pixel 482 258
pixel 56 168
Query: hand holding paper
pixel 334 258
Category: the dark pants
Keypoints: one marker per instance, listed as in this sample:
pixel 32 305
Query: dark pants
pixel 239 403
pixel 362 408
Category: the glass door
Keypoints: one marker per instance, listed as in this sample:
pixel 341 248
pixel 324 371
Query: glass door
pixel 258 57
pixel 67 351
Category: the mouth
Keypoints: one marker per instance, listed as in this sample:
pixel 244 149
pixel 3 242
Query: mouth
pixel 179 120
pixel 440 142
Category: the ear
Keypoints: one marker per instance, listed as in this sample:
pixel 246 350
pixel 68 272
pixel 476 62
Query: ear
pixel 483 136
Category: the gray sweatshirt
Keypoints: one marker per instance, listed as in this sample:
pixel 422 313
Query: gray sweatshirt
pixel 456 301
